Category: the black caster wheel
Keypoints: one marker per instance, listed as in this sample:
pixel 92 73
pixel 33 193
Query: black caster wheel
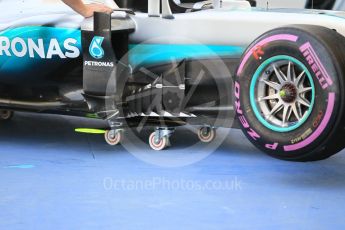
pixel 113 137
pixel 206 134
pixel 160 144
pixel 6 115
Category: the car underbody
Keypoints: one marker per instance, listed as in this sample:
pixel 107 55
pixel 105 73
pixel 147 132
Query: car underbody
pixel 169 66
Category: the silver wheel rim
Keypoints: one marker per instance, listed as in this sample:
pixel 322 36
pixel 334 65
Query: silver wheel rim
pixel 284 93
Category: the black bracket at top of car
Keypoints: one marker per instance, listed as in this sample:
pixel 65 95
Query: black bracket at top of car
pixel 105 45
pixel 99 56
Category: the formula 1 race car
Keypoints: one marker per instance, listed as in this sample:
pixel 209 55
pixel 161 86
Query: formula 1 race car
pixel 163 64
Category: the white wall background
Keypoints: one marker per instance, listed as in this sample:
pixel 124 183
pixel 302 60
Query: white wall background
pixel 282 3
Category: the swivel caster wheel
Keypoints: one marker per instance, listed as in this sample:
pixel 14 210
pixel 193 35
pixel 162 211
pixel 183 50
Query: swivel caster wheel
pixel 113 137
pixel 6 115
pixel 158 144
pixel 206 134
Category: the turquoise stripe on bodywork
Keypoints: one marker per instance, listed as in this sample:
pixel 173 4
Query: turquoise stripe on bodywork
pixel 143 54
pixel 12 65
pixel 140 54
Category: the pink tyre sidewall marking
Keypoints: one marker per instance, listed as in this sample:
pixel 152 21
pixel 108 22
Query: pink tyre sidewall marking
pixel 319 130
pixel 308 50
pixel 286 37
pixel 329 109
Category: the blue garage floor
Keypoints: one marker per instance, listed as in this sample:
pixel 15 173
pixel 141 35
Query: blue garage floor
pixel 53 178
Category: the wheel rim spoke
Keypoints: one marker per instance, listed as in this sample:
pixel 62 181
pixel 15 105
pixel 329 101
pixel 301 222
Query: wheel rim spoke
pixel 270 97
pixel 300 78
pixel 272 84
pixel 275 109
pixel 305 90
pixel 303 101
pixel 286 114
pixel 296 111
pixel 289 113
pixel 291 74
pixel 284 94
pixel 280 75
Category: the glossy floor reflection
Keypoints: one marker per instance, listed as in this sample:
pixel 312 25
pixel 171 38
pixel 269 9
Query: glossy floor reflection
pixel 53 178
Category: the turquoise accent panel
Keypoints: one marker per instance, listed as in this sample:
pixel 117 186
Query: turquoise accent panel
pixel 15 66
pixel 253 99
pixel 143 54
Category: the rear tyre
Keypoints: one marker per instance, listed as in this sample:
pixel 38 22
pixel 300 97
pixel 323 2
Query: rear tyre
pixel 289 93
